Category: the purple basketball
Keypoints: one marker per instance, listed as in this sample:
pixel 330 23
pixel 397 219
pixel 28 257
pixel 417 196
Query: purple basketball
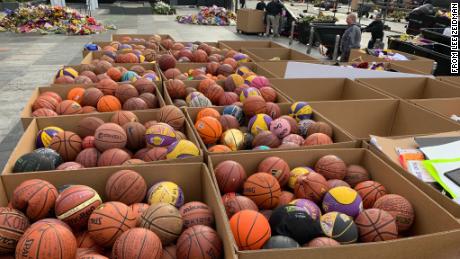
pixel 293 138
pixel 250 91
pixel 310 207
pixel 343 199
pixel 303 126
pixel 259 82
pixel 258 123
pixel 240 57
pixel 280 127
pixel 160 135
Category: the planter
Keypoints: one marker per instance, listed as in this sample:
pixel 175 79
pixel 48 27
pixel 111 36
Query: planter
pixel 304 31
pixel 9 5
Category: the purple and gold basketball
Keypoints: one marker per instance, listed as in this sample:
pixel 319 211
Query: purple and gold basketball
pixel 343 199
pixel 45 135
pixel 280 127
pixel 160 135
pixel 310 207
pixel 258 123
pixel 167 192
pixel 247 92
pixel 259 82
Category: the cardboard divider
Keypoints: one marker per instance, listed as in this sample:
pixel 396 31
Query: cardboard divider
pixel 120 36
pixel 341 138
pixel 412 88
pixel 26 143
pixel 325 89
pixel 455 80
pixel 92 55
pixel 362 118
pixel 433 232
pixel 62 90
pixel 281 98
pixel 278 68
pixel 443 106
pixel 238 45
pixel 193 178
pixel 269 54
pixel 102 44
pixel 395 67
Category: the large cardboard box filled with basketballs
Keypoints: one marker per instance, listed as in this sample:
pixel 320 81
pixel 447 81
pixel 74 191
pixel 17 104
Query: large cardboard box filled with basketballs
pixel 278 54
pixel 325 89
pixel 353 203
pixel 98 140
pixel 227 129
pixel 141 211
pixel 79 99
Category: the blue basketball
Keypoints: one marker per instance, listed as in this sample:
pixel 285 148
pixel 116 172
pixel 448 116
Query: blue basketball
pixel 234 110
pixel 92 47
pixel 130 76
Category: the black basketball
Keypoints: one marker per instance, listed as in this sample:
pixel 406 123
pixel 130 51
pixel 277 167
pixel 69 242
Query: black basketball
pixel 294 222
pixel 50 154
pixel 281 242
pixel 32 162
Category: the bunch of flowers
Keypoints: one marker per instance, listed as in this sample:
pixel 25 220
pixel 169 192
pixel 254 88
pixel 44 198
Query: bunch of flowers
pixel 210 16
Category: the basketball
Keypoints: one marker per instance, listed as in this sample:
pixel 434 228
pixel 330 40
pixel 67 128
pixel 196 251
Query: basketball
pixel 230 176
pixel 199 242
pixel 172 116
pixel 67 144
pixel 45 102
pixel 399 207
pixel 296 172
pixel 234 202
pixel 312 186
pixel 337 183
pixel 234 111
pixel 227 98
pixel 343 199
pixel 276 242
pixel 64 80
pixel 225 70
pixel 126 91
pixel 67 71
pixel 254 105
pixel 135 135
pixel 44 112
pixel 285 198
pixel 68 107
pixel 317 139
pixel 331 167
pixel 209 129
pixel 165 192
pixel 53 95
pixel 175 88
pixel 211 112
pixel 135 103
pixel 304 125
pixel 123 117
pixel 108 103
pixel 13 224
pixel 172 73
pixel 75 204
pixel 269 94
pixel 137 243
pixel 84 240
pixel 144 85
pixel 232 82
pixel 204 84
pixel 45 136
pixel 107 86
pixel 166 61
pixel 76 94
pixel 182 149
pixel 266 138
pixel 90 74
pixel 300 111
pixel 277 167
pixel 280 127
pixel 138 209
pixel 274 111
pixel 356 174
pixel 228 122
pixel 376 225
pixel 234 139
pixel 263 189
pixel 197 99
pixel 109 135
pixel 126 186
pixel 320 127
pixel 214 92
pixel 370 191
pixel 112 157
pixel 70 166
pixel 47 240
pixel 87 126
pixel 91 97
pixel 156 154
pixel 114 73
pixel 322 242
pixel 258 123
pixel 150 99
pixel 199 56
pixel 339 227
pixel 164 220
pixel 88 109
pixel 219 149
pixel 108 221
pixel 88 157
pixel 309 206
pixel 160 135
pixel 250 229
pixel 133 161
pixel 33 161
pixel 196 213
pixel 292 122
pixel 169 252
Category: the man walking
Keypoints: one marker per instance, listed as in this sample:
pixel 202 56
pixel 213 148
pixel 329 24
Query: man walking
pixel 351 38
pixel 273 9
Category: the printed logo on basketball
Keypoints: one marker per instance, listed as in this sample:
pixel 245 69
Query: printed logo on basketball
pixel 104 135
pixel 8 241
pixel 276 172
pixel 96 221
pixel 16 223
pixel 27 245
pixel 250 189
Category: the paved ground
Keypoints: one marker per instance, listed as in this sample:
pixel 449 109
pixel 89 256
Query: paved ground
pixel 29 61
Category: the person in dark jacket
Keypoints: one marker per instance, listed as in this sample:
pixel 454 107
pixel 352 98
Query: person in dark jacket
pixel 261 5
pixel 351 38
pixel 376 30
pixel 243 4
pixel 274 10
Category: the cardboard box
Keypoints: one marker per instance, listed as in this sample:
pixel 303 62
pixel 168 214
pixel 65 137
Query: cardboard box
pixel 119 37
pixel 330 89
pixel 385 149
pixel 443 106
pixel 250 21
pixel 450 79
pixel 362 118
pixel 278 68
pixel 26 143
pixel 417 63
pixel 238 45
pixel 102 44
pixel 194 179
pixel 194 84
pixel 412 88
pixel 271 54
pixel 63 90
pixel 341 139
pixel 428 240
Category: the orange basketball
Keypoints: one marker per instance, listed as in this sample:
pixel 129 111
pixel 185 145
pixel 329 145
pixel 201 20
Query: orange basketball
pixel 232 62
pixel 107 86
pixel 114 73
pixel 196 213
pixel 123 117
pixel 44 112
pixel 91 97
pixel 68 107
pixel 53 95
pixel 88 109
pixel 135 135
pixel 13 223
pixel 254 105
pixel 208 112
pixel 139 243
pixel 317 139
pixel 370 192
pixel 75 204
pixel 156 154
pixel 109 135
pixel 67 144
pixel 277 167
pixel 126 186
pixel 84 240
pixel 209 129
pixel 199 242
pixel 87 126
pixel 311 186
pixel 219 149
pixel 204 84
pixel 126 91
pixel 263 189
pixel 250 229
pixel 47 240
pixel 76 94
pixel 108 103
pixel 268 93
pixel 112 157
pixel 173 116
pixel 175 88
pixel 109 221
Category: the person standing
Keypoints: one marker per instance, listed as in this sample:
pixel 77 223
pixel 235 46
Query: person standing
pixel 261 5
pixel 274 10
pixel 351 38
pixel 376 30
pixel 243 4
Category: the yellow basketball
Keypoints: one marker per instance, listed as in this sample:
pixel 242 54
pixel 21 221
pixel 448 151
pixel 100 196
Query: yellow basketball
pixel 182 149
pixel 296 172
pixel 166 192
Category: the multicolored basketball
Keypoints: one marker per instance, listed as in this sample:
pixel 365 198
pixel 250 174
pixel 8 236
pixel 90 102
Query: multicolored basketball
pixel 247 92
pixel 196 213
pixel 209 129
pixel 370 191
pixel 197 99
pixel 376 225
pixel 343 199
pixel 250 229
pixel 45 136
pixel 339 227
pixel 399 207
pixel 182 149
pixel 258 123
pixel 232 82
pixel 300 111
pixel 67 71
pixel 230 176
pixel 126 186
pixel 164 220
pixel 160 135
pixel 263 189
pixel 234 111
pixel 165 192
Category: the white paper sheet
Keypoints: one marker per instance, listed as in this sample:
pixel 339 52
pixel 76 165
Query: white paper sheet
pixel 446 151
